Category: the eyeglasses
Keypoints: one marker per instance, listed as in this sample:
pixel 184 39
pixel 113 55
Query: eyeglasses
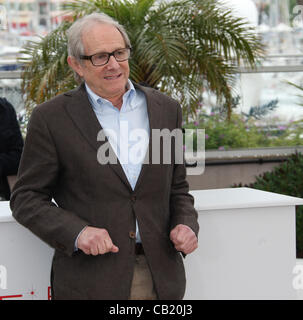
pixel 102 58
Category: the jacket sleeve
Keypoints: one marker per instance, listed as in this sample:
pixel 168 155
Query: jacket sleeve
pixel 10 158
pixel 181 202
pixel 31 200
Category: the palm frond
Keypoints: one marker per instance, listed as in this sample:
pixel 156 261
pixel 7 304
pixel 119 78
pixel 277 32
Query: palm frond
pixel 180 47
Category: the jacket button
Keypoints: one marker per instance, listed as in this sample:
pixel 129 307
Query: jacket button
pixel 133 198
pixel 132 235
pixel 61 246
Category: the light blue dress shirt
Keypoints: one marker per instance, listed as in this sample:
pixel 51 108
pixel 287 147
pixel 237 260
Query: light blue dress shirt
pixel 127 130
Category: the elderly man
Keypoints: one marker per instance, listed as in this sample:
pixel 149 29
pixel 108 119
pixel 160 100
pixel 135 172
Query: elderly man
pixel 118 228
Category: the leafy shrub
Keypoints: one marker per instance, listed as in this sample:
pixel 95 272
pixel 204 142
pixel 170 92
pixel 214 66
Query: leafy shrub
pixel 246 132
pixel 287 178
pixel 236 133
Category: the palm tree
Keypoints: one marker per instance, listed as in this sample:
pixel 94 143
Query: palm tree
pixel 179 47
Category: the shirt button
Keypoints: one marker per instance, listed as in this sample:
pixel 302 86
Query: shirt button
pixel 132 235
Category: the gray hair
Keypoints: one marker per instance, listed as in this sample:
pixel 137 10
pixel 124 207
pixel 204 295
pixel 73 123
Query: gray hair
pixel 74 34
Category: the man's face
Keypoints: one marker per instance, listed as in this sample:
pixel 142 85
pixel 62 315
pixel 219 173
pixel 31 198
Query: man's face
pixel 108 81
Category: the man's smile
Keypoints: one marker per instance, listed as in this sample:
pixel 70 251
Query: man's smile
pixel 113 77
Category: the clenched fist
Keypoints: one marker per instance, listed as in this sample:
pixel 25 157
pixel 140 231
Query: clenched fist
pixel 95 241
pixel 184 238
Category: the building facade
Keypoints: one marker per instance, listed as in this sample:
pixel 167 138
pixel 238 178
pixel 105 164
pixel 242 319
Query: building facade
pixel 29 17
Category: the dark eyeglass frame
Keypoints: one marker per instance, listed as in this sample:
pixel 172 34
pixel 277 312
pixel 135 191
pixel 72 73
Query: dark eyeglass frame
pixel 109 54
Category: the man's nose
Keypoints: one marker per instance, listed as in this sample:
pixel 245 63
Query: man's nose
pixel 112 62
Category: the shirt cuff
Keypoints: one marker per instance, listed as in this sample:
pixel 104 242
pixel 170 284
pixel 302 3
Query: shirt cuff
pixel 76 241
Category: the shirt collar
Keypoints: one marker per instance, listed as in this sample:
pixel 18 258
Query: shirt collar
pixel 128 97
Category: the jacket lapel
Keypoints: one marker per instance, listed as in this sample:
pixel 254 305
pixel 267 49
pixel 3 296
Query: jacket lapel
pixel 83 116
pixel 154 116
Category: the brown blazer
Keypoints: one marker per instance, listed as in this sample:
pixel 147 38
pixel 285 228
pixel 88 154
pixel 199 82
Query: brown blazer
pixel 59 162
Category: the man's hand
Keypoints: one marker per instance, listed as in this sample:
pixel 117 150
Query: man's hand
pixel 96 241
pixel 184 238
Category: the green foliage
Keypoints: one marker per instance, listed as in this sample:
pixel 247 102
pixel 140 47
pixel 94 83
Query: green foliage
pixel 245 130
pixel 223 135
pixel 46 71
pixel 240 133
pixel 286 179
pixel 258 112
pixel 179 47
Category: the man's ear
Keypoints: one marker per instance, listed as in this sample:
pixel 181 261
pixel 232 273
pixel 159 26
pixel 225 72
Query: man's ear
pixel 75 65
